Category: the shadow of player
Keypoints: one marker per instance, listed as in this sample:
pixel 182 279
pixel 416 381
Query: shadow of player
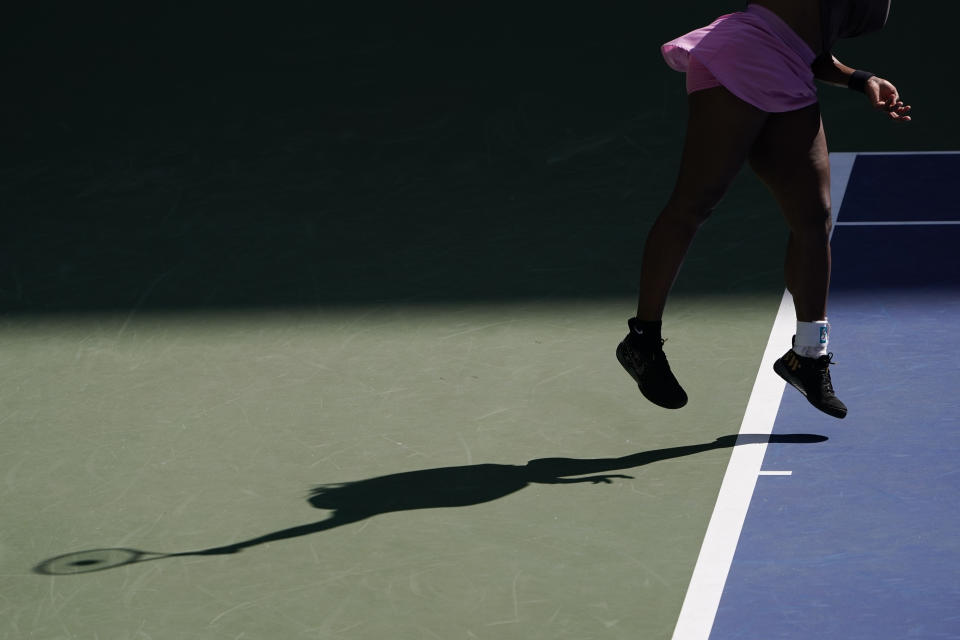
pixel 425 489
pixel 475 484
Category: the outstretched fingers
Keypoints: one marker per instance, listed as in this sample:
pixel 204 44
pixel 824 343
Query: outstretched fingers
pixel 899 111
pixel 885 97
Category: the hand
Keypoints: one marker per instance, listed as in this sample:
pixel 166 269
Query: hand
pixel 725 441
pixel 884 97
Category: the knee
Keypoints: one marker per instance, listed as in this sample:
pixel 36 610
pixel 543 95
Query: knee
pixel 813 228
pixel 693 208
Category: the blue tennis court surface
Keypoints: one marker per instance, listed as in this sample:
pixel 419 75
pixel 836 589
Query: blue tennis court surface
pixel 859 538
pixel 902 187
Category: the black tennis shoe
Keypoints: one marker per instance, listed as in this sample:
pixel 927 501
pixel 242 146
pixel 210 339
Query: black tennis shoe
pixel 811 377
pixel 644 360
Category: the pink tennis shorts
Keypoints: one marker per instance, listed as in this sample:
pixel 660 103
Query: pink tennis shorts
pixel 754 54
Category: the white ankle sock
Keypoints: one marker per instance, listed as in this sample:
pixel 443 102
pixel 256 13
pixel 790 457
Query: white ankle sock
pixel 813 338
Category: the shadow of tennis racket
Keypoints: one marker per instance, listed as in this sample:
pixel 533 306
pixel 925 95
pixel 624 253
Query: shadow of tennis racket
pixel 103 559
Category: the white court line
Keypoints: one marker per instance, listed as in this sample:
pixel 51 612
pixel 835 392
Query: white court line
pixel 720 542
pixel 776 473
pixel 716 555
pixel 896 153
pixel 841 164
pixel 898 223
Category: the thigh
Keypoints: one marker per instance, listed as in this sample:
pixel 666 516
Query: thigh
pixel 790 156
pixel 721 130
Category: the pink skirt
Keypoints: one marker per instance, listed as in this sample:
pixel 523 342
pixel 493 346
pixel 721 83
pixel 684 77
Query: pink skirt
pixel 754 54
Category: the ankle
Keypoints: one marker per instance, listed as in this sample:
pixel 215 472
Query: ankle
pixel 812 338
pixel 645 330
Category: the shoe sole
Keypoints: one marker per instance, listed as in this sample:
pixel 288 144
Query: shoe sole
pixel 781 370
pixel 625 363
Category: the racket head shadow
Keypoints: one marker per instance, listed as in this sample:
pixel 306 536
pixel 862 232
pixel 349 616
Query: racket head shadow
pixel 88 561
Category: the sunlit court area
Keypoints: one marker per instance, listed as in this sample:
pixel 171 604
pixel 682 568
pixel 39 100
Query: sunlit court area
pixel 307 330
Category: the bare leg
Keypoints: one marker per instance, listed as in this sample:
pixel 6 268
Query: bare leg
pixel 791 158
pixel 721 130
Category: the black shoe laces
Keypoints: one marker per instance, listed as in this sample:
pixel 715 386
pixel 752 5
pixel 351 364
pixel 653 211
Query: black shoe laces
pixel 644 348
pixel 660 354
pixel 823 370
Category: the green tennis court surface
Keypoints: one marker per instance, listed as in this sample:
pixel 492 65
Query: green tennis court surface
pixel 180 432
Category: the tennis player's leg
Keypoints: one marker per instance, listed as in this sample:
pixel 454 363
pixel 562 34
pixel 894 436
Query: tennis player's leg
pixel 790 156
pixel 721 129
